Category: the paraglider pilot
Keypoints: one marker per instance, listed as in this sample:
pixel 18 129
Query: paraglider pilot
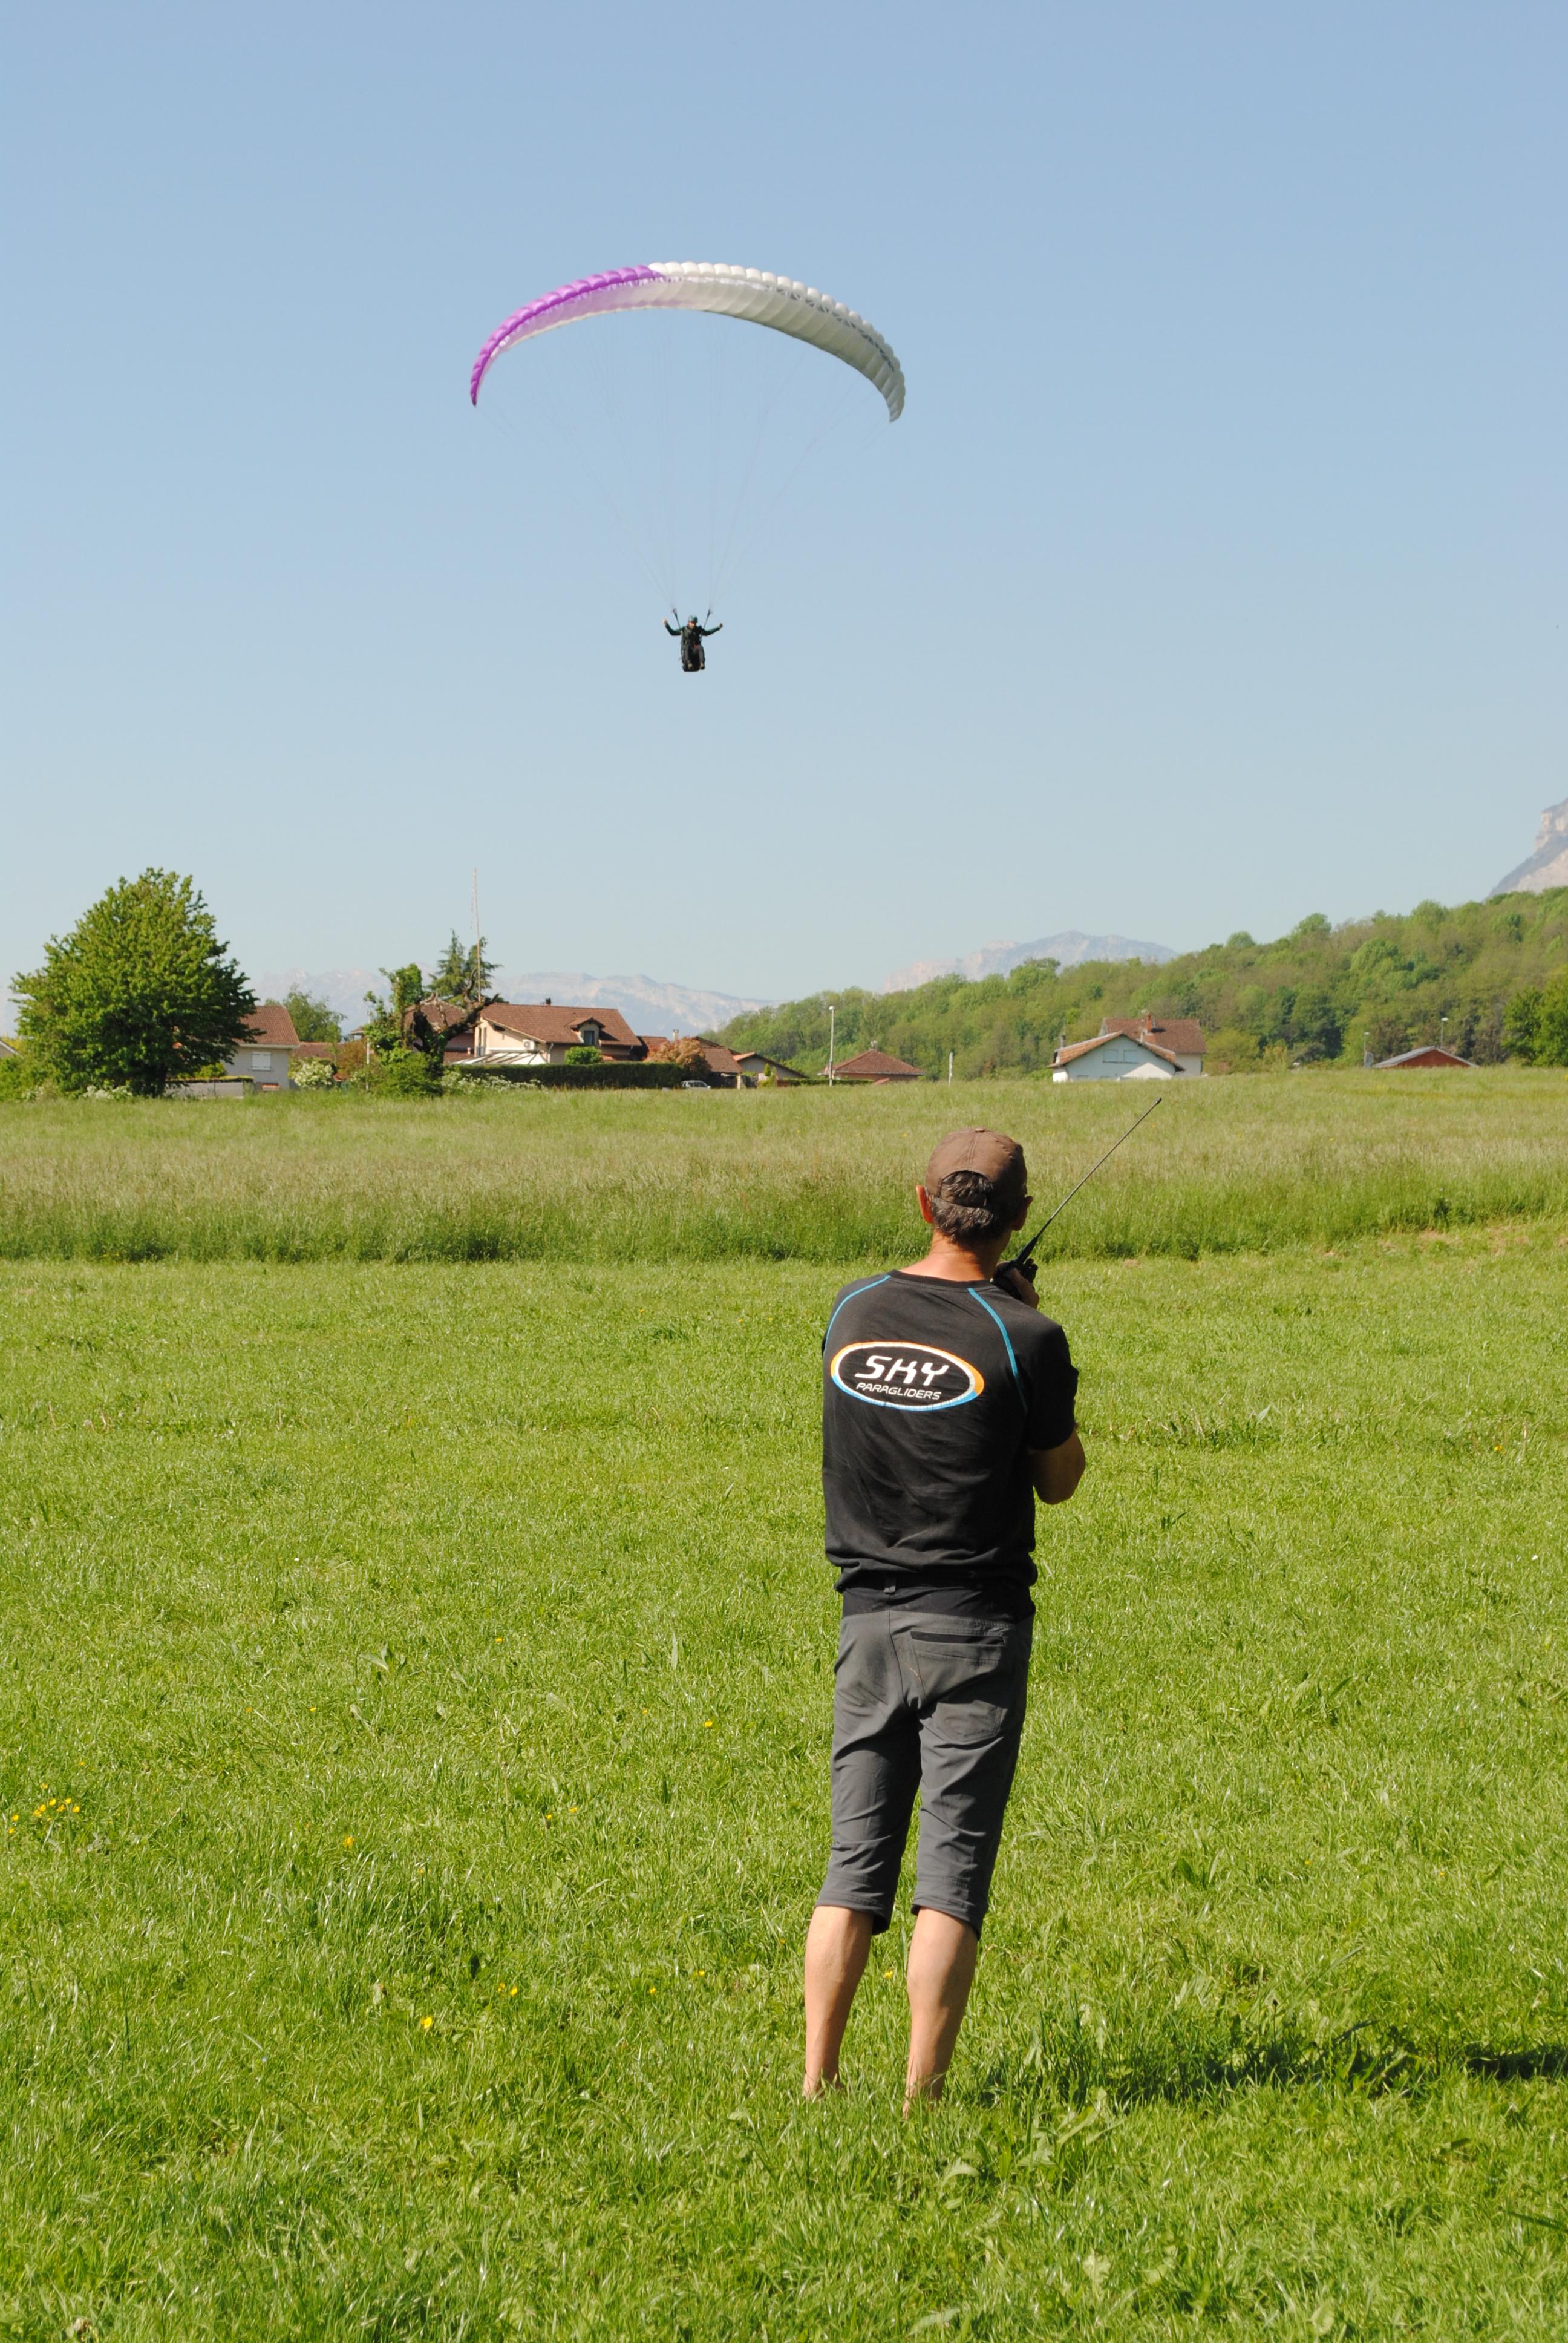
pixel 691 638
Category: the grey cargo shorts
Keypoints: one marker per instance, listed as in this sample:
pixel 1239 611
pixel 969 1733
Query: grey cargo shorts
pixel 923 1701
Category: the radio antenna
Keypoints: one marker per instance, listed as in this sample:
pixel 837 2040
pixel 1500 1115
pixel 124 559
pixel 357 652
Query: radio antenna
pixel 1020 1260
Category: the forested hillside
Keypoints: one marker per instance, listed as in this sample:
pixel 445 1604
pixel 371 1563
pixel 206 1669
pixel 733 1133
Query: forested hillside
pixel 1496 971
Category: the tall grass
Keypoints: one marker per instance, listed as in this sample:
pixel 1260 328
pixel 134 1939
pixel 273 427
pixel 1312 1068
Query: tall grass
pixel 811 1176
pixel 414 1710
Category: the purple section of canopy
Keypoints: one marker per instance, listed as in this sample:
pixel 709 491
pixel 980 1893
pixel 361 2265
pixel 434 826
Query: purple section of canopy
pixel 565 296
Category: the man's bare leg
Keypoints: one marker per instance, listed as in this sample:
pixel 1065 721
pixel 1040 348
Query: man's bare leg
pixel 942 1969
pixel 837 1942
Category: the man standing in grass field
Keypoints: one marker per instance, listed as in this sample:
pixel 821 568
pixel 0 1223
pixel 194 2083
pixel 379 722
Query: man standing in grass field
pixel 946 1408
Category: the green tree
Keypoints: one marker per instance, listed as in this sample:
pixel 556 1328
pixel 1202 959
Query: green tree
pixel 405 1073
pixel 463 973
pixel 1521 1022
pixel 385 1026
pixel 407 985
pixel 1552 1028
pixel 1311 993
pixel 313 1021
pixel 140 993
pixel 1315 1028
pixel 1388 1035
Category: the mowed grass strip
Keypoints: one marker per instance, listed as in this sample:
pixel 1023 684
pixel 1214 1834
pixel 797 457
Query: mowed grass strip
pixel 807 1175
pixel 415 1717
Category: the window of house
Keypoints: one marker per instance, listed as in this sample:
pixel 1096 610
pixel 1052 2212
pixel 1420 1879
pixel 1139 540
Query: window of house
pixel 261 1061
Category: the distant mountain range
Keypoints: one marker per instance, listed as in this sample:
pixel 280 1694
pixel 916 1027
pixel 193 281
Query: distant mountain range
pixel 648 1006
pixel 998 959
pixel 342 989
pixel 651 1006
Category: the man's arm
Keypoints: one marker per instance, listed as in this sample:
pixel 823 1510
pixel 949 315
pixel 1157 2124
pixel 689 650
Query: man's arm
pixel 1056 1472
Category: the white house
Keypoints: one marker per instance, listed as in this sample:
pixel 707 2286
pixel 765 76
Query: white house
pixel 757 1063
pixel 537 1033
pixel 1133 1049
pixel 262 1062
pixel 263 1056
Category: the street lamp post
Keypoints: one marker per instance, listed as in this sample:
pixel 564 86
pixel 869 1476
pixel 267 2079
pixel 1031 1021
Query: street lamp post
pixel 832 1014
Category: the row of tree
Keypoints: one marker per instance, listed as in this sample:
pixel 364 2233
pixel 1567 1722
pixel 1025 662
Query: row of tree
pixel 1489 978
pixel 143 992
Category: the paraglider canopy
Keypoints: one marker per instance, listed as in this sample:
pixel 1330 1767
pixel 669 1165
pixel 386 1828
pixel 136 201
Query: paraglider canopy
pixel 753 294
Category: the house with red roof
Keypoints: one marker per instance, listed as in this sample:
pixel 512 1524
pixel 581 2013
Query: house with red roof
pixel 873 1066
pixel 1429 1055
pixel 263 1058
pixel 1138 1048
pixel 538 1034
pixel 757 1066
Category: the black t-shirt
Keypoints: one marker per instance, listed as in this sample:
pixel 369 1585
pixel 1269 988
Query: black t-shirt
pixel 933 1395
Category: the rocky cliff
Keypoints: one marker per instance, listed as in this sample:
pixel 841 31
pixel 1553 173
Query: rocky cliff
pixel 1548 866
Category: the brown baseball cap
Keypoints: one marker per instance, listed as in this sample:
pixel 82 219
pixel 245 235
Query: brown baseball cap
pixel 992 1153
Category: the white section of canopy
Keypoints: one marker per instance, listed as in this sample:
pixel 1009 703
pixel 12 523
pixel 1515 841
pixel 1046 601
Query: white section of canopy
pixel 778 302
pixel 784 305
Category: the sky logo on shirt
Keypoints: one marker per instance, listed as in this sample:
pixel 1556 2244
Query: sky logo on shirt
pixel 915 1376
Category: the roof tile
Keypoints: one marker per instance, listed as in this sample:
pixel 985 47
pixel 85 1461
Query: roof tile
pixel 271 1027
pixel 872 1066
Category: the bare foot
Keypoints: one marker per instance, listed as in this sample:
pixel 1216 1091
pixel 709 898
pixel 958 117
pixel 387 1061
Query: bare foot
pixel 817 2087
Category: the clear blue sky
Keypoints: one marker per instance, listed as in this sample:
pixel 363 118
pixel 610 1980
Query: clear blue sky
pixel 1216 573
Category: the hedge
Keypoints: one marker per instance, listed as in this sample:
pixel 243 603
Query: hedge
pixel 636 1075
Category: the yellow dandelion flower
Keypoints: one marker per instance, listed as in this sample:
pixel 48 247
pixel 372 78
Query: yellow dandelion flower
pixel 707 1724
pixel 513 1995
pixel 349 1839
pixel 426 2024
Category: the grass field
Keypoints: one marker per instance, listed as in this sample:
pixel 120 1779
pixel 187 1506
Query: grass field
pixel 415 1719
pixel 793 1175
